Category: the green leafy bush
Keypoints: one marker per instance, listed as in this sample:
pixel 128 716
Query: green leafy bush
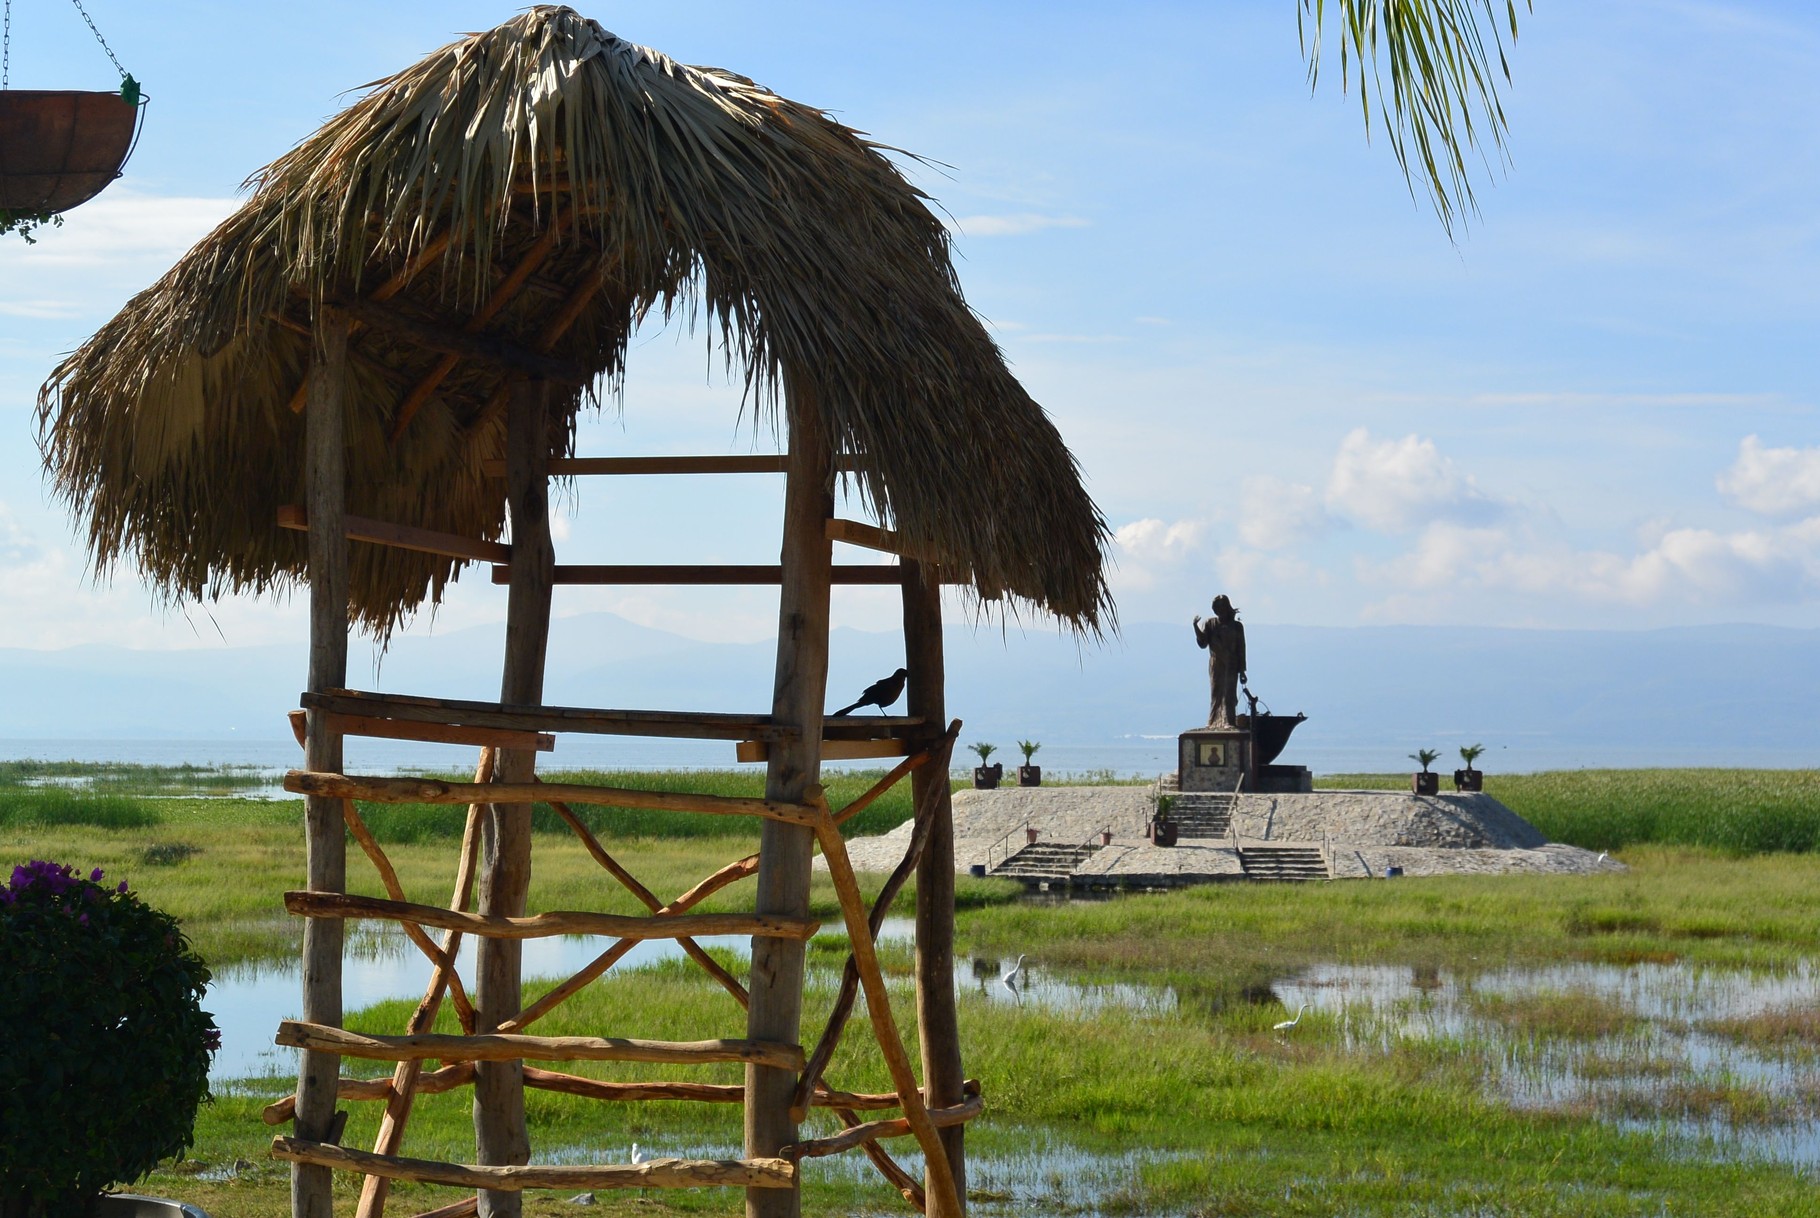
pixel 106 1053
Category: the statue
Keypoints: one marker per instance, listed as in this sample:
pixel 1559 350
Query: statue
pixel 1223 636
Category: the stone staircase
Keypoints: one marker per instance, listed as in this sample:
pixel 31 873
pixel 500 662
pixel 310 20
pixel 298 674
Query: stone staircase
pixel 1202 814
pixel 1283 862
pixel 1046 861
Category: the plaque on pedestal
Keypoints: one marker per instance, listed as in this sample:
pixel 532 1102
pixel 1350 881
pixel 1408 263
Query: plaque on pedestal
pixel 1214 759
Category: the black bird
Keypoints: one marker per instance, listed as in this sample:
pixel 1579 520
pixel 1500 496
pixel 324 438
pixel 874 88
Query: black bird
pixel 881 693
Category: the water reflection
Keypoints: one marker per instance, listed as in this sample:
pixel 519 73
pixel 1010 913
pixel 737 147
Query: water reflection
pixel 1658 1047
pixel 380 964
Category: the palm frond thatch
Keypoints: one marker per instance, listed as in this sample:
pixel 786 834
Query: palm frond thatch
pixel 556 185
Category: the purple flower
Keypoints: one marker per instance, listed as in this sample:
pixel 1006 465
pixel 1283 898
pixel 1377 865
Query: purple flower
pixel 121 888
pixel 95 876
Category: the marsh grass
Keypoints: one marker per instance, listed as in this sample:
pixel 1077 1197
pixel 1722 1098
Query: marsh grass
pixel 1783 1029
pixel 128 778
pixel 43 807
pixel 1232 1119
pixel 1736 811
pixel 1568 1014
pixel 1208 1117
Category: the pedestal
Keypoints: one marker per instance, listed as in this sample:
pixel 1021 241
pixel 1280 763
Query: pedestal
pixel 1214 759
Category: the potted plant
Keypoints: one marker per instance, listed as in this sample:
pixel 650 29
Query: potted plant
pixel 1029 775
pixel 1162 829
pixel 1427 782
pixel 986 777
pixel 108 1044
pixel 1469 779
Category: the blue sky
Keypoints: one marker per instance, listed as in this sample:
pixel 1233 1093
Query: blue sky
pixel 1283 381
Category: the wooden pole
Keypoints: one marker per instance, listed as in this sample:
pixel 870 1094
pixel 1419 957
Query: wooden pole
pixel 936 1023
pixel 794 766
pixel 325 866
pixel 499 1102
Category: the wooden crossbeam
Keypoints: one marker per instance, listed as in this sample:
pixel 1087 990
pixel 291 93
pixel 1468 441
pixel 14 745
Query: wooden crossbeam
pixel 922 819
pixel 658 1173
pixel 431 251
pixel 872 1131
pixel 442 958
pixel 711 575
pixel 549 925
pixel 501 296
pixel 706 1093
pixel 404 536
pixel 438 733
pixel 730 874
pixel 435 791
pixel 430 1082
pixel 699 725
pixel 631 883
pixel 494 1047
pixel 575 466
pixel 405 1075
pixel 832 750
pixel 886 541
pixel 945 1197
pixel 466 344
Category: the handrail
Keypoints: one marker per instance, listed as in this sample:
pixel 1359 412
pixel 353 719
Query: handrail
pixel 994 847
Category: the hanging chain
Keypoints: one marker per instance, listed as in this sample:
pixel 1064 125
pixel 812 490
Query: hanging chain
pixel 6 49
pixel 97 33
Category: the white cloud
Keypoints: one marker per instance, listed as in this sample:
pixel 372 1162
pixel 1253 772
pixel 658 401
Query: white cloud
pixel 1017 224
pixel 1157 541
pixel 1755 567
pixel 1773 481
pixel 1396 486
pixel 1274 514
pixel 123 224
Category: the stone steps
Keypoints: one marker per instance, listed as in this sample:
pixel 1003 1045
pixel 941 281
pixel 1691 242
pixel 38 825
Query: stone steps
pixel 1283 863
pixel 1202 814
pixel 1045 861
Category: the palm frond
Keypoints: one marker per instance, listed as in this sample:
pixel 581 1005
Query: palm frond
pixel 1441 99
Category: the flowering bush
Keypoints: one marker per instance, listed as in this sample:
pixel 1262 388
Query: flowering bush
pixel 104 1045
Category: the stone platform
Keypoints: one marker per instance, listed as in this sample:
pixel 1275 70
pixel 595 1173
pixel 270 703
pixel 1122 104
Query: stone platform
pixel 1363 833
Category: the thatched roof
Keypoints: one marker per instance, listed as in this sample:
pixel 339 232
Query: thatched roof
pixel 629 185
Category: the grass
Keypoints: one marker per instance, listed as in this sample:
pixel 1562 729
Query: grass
pixel 1736 811
pixel 1232 1119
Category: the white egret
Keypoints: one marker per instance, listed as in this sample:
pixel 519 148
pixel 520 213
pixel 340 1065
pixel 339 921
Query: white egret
pixel 1289 1023
pixel 1011 974
pixel 638 1155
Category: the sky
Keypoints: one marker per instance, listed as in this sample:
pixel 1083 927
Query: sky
pixel 1594 406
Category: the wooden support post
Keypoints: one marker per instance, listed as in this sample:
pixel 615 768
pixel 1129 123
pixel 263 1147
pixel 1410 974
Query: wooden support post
pixel 794 766
pixel 325 867
pixel 936 1022
pixel 499 1102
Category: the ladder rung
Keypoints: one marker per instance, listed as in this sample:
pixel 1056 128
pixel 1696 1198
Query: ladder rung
pixel 548 925
pixel 498 1047
pixel 658 1173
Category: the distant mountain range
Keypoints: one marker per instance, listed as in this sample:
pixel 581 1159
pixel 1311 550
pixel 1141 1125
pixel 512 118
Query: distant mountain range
pixel 1720 695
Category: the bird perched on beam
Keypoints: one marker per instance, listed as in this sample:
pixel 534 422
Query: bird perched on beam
pixel 880 693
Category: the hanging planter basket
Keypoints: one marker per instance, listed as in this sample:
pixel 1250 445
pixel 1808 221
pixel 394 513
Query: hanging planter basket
pixel 60 148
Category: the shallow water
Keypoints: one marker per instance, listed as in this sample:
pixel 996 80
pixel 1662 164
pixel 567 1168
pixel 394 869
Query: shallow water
pixel 250 1000
pixel 1634 1045
pixel 1649 1059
